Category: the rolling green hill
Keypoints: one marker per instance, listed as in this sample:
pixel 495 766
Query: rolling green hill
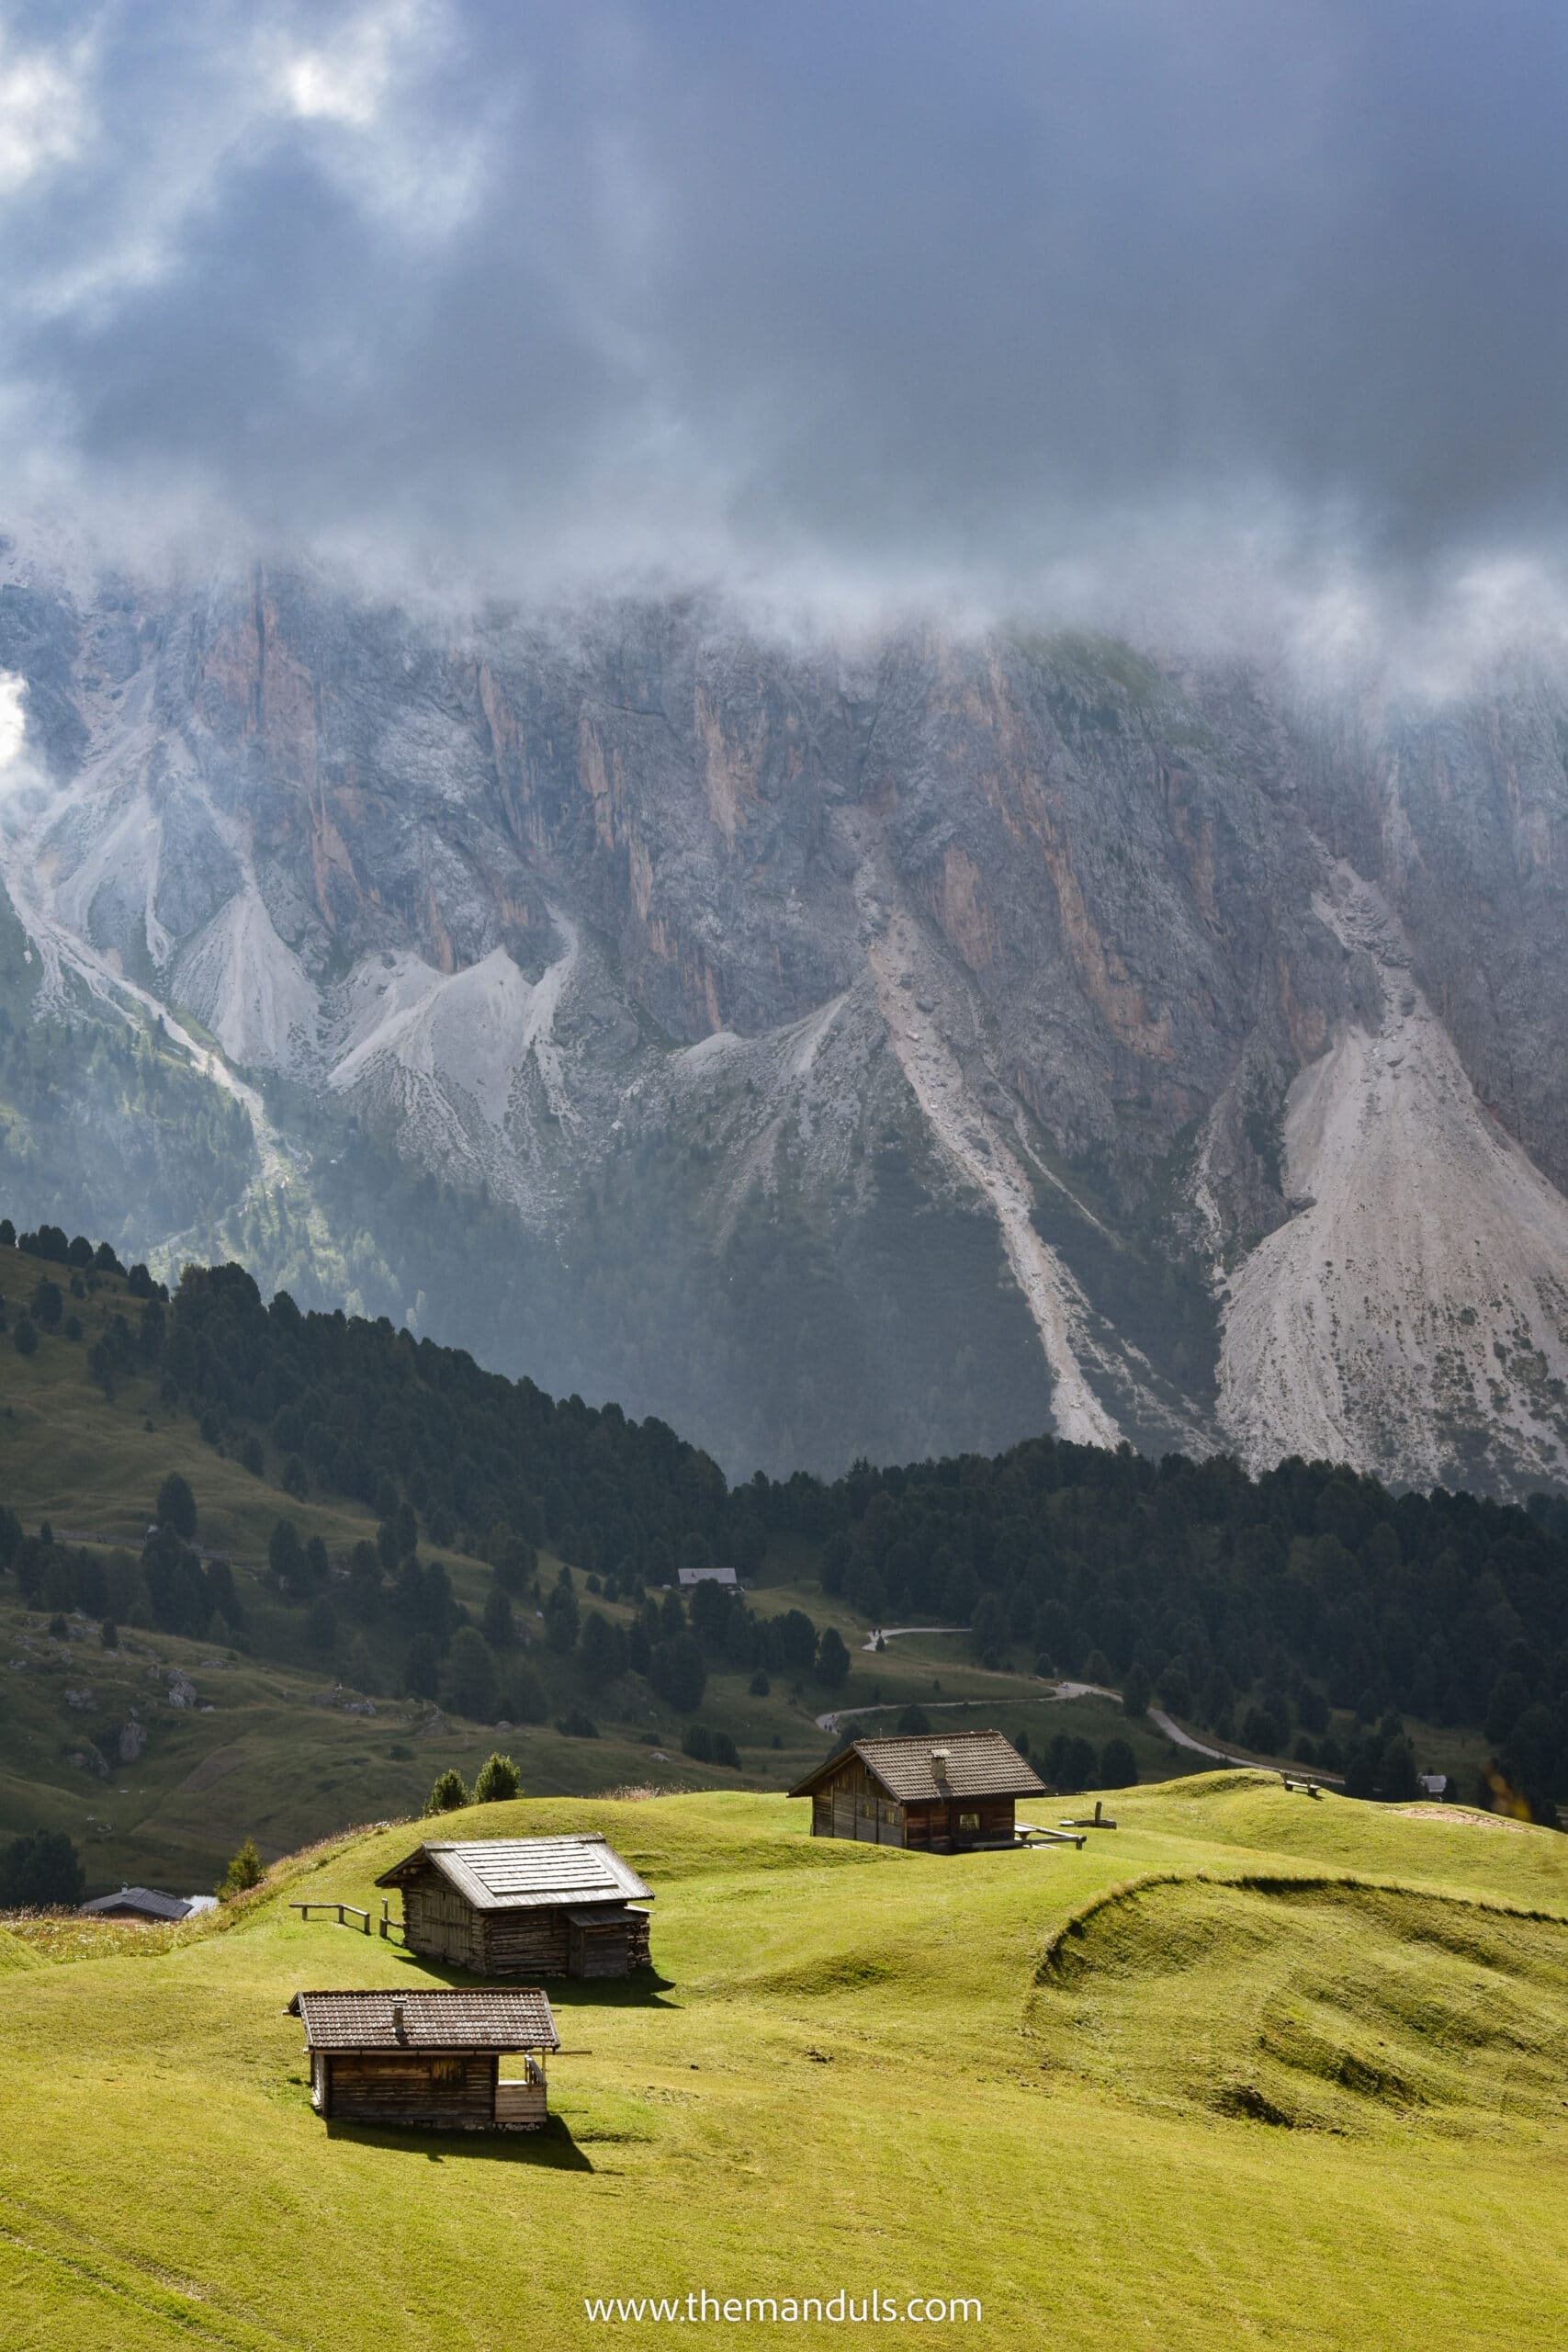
pixel 1039 2080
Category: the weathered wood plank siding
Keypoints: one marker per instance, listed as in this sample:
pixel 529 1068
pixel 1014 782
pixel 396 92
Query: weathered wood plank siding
pixel 439 1923
pixel 413 2088
pixel 522 1943
pixel 967 1821
pixel 613 1947
pixel 852 1805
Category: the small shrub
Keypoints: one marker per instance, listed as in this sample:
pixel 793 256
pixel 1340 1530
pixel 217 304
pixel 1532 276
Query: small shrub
pixel 758 1686
pixel 498 1780
pixel 449 1794
pixel 24 1339
pixel 244 1871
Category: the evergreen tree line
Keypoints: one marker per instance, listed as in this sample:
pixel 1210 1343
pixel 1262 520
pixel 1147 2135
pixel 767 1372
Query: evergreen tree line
pixel 1249 1605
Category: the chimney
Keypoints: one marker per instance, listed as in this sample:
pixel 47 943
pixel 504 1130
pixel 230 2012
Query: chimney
pixel 939 1763
pixel 398 2019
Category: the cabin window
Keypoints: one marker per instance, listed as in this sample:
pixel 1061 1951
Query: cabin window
pixel 968 1821
pixel 445 2072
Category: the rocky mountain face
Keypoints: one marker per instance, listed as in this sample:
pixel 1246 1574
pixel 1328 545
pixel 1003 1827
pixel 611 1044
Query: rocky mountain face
pixel 885 1052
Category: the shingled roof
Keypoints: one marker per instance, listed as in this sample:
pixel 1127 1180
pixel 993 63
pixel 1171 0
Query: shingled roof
pixel 977 1764
pixel 524 1873
pixel 513 2019
pixel 147 1900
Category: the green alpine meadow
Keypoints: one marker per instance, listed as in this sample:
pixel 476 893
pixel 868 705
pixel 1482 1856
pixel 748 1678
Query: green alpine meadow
pixel 1247 2068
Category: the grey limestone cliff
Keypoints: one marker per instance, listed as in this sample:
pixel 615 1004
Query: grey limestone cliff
pixel 884 1050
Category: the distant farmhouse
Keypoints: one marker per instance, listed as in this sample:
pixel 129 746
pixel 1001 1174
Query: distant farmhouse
pixel 950 1795
pixel 523 1906
pixel 687 1577
pixel 145 1904
pixel 429 2061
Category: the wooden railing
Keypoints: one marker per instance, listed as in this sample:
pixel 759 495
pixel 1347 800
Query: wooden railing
pixel 522 2101
pixel 326 1904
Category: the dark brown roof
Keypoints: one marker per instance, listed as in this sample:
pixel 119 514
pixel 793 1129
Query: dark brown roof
pixel 525 1873
pixel 517 2018
pixel 978 1764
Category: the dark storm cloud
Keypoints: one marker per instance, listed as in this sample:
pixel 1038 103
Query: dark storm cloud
pixel 892 293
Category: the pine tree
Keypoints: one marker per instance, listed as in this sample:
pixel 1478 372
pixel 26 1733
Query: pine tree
pixel 832 1659
pixel 176 1505
pixel 498 1780
pixel 449 1793
pixel 244 1871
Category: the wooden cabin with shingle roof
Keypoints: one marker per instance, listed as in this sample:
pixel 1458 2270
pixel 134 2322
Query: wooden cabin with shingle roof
pixel 952 1793
pixel 429 2061
pixel 523 1906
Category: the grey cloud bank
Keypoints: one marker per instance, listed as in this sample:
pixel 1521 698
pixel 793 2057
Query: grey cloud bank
pixel 1100 304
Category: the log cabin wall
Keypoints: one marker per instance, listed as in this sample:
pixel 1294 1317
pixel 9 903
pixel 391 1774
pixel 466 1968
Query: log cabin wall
pixel 958 1822
pixel 854 1805
pixel 522 1943
pixel 611 1946
pixel 438 2093
pixel 440 1924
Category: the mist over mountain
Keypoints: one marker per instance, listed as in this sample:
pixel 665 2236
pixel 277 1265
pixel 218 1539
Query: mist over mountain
pixel 889 1050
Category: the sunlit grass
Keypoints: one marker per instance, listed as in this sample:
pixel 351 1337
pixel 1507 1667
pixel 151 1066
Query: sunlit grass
pixel 850 2070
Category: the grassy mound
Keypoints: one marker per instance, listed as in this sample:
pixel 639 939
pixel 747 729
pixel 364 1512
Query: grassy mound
pixel 1328 2004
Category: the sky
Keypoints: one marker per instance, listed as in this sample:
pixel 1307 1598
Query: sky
pixel 1018 303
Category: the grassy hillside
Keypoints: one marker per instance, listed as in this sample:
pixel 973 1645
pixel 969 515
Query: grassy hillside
pixel 1004 2077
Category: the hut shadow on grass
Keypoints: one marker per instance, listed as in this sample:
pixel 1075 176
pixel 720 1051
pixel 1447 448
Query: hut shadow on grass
pixel 644 1989
pixel 551 2147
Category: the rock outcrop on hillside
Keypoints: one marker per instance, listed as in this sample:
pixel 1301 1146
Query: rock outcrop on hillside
pixel 882 1051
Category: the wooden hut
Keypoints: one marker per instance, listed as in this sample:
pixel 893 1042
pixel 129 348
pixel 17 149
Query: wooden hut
pixel 948 1794
pixel 428 2061
pixel 523 1906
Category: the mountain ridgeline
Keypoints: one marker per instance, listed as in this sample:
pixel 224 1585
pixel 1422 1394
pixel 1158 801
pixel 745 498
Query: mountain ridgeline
pixel 884 1050
pixel 1253 1605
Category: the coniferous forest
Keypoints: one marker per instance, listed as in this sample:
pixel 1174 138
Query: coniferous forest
pixel 1249 1606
